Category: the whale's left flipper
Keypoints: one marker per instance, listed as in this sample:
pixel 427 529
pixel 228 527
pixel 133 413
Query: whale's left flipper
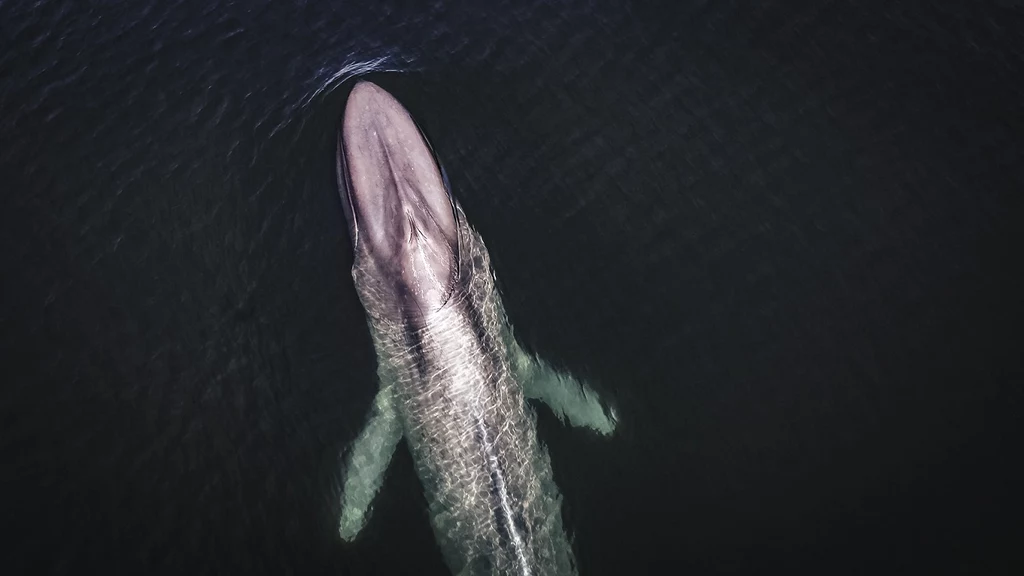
pixel 569 398
pixel 368 460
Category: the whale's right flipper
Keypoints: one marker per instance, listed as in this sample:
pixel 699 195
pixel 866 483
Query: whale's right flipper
pixel 567 397
pixel 368 461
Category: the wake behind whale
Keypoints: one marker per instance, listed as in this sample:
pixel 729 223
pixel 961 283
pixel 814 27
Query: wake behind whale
pixel 453 380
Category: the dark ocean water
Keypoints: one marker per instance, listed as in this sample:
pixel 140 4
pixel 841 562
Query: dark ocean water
pixel 782 239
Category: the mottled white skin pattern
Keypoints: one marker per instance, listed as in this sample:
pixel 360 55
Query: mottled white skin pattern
pixel 454 388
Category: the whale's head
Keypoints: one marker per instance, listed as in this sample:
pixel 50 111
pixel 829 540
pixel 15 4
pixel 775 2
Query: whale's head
pixel 403 222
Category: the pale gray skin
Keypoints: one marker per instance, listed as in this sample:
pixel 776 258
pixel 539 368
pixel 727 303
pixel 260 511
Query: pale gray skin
pixel 453 380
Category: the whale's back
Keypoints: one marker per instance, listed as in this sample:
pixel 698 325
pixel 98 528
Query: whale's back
pixel 494 506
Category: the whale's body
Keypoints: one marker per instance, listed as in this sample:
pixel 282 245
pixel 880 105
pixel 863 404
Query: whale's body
pixel 453 380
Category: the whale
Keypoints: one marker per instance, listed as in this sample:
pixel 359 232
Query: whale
pixel 453 380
